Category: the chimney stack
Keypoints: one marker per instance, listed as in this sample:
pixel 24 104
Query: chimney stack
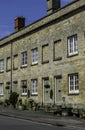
pixel 52 6
pixel 19 23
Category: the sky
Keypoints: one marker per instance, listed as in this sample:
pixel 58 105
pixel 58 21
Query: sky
pixel 32 10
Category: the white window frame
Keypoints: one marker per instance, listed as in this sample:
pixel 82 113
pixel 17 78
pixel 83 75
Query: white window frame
pixel 24 59
pixel 2 65
pixel 24 89
pixel 34 56
pixel 72 45
pixel 73 84
pixel 1 89
pixel 34 87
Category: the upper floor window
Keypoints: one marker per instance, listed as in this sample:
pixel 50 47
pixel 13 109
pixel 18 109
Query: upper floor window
pixel 24 58
pixel 1 88
pixel 57 50
pixel 73 83
pixel 34 56
pixel 8 64
pixel 72 45
pixel 24 87
pixel 34 87
pixel 1 65
pixel 15 61
pixel 45 53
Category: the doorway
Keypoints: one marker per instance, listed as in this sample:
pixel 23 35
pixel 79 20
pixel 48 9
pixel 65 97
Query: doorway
pixel 58 92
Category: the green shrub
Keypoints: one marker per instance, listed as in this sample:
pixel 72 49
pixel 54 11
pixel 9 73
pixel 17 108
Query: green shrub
pixel 1 102
pixel 26 105
pixel 13 99
pixel 7 102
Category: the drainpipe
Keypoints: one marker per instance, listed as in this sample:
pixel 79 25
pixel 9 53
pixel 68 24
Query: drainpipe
pixel 11 68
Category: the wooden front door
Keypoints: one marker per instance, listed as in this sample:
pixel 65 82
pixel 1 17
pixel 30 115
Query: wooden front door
pixel 46 91
pixel 58 93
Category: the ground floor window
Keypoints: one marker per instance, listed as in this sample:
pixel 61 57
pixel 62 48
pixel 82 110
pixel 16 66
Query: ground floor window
pixel 73 83
pixel 24 87
pixel 1 88
pixel 34 86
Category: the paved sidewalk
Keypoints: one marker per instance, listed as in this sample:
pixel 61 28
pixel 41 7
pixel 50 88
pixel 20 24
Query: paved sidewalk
pixel 43 117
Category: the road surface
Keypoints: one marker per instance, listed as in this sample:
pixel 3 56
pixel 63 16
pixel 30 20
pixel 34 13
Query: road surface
pixel 9 123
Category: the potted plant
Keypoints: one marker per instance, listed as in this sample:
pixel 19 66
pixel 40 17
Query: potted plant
pixel 13 99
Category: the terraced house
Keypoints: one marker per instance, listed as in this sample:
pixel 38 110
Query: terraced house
pixel 45 60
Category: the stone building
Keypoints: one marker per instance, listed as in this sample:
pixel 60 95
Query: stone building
pixel 45 60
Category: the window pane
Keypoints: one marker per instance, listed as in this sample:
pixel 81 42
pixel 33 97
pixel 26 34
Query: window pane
pixel 73 83
pixel 24 58
pixel 35 56
pixel 76 82
pixel 72 45
pixel 1 89
pixel 1 65
pixel 75 44
pixel 34 86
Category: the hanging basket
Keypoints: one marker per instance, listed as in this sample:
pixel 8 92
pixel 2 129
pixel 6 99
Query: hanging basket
pixel 24 86
pixel 47 86
pixel 7 87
